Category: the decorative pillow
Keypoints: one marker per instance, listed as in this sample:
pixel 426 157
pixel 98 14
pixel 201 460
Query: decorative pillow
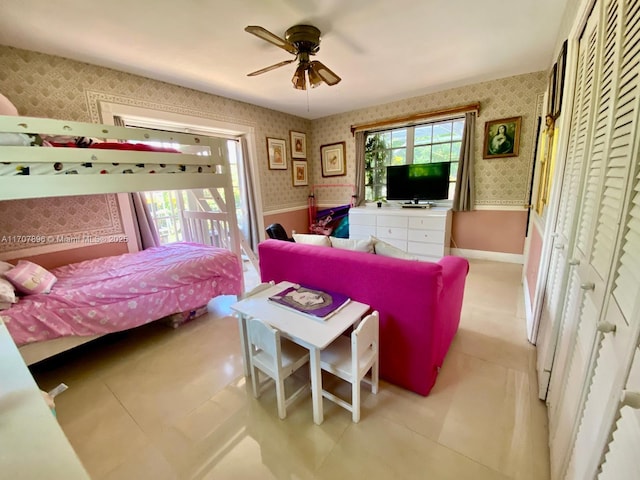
pixel 385 249
pixel 4 267
pixel 311 239
pixel 30 278
pixel 353 244
pixel 7 293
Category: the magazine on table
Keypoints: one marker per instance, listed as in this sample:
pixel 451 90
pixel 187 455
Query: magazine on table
pixel 319 304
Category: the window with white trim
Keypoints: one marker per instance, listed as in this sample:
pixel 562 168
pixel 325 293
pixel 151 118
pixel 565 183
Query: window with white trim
pixel 431 142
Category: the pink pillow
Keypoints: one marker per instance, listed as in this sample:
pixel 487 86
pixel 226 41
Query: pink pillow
pixel 30 278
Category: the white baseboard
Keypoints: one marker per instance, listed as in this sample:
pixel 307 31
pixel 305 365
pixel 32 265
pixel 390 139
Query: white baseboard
pixel 486 255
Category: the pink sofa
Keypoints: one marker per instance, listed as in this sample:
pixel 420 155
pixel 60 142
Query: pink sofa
pixel 419 302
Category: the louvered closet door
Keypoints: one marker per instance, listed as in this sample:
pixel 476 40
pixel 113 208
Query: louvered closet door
pixel 614 251
pixel 550 334
pixel 571 357
pixel 622 461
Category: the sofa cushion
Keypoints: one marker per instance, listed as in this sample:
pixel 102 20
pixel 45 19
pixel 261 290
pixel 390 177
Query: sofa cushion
pixel 385 249
pixel 311 239
pixel 353 244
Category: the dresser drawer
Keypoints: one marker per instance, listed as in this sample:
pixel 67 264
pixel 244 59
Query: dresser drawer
pixel 397 233
pixel 361 219
pixel 427 249
pixel 427 236
pixel 361 231
pixel 392 221
pixel 428 223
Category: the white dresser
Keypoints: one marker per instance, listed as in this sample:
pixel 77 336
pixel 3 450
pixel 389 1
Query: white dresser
pixel 423 232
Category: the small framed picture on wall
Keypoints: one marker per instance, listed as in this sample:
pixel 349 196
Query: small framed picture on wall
pixel 277 154
pixel 300 173
pixel 332 158
pixel 298 145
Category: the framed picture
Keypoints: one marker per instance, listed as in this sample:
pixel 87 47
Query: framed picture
pixel 277 153
pixel 332 159
pixel 501 138
pixel 298 145
pixel 300 177
pixel 551 90
pixel 561 66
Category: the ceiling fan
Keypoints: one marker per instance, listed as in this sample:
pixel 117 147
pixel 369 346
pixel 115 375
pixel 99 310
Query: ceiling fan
pixel 301 41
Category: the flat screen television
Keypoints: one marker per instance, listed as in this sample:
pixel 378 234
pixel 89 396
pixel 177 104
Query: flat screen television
pixel 422 181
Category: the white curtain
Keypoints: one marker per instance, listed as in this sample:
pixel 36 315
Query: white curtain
pixel 464 197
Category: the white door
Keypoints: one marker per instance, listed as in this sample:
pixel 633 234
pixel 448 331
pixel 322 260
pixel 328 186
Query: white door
pixel 622 461
pixel 549 333
pixel 605 336
pixel 570 359
pixel 616 251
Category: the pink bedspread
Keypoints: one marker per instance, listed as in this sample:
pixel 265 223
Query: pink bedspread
pixel 117 293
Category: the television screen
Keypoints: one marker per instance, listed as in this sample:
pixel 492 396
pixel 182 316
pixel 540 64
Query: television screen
pixel 423 181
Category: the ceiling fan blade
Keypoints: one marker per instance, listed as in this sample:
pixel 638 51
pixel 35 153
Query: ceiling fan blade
pixel 265 34
pixel 272 67
pixel 325 73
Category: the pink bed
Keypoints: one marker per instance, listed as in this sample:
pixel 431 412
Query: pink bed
pixel 117 293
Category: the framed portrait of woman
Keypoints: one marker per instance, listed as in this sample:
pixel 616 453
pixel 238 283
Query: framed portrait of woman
pixel 501 138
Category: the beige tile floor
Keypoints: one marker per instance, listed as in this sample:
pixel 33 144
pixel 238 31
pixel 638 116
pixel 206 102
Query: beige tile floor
pixel 157 403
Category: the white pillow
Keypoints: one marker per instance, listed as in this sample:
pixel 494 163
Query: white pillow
pixel 5 267
pixel 385 249
pixel 7 292
pixel 311 239
pixel 353 244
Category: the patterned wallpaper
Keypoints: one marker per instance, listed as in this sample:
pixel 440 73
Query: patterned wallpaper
pixel 66 221
pixel 499 182
pixel 48 86
pixel 42 85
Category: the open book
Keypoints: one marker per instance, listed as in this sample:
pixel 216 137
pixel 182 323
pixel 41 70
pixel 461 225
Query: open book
pixel 320 304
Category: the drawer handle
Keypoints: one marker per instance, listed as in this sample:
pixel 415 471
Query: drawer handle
pixel 588 286
pixel 574 262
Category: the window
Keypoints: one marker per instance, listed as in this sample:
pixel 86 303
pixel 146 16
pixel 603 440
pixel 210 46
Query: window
pixel 167 206
pixel 425 143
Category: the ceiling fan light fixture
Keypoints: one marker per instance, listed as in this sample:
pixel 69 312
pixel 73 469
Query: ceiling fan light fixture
pixel 299 80
pixel 325 73
pixel 314 79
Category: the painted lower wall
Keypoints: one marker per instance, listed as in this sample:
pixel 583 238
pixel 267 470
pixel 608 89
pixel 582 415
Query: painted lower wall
pixel 295 220
pixel 500 231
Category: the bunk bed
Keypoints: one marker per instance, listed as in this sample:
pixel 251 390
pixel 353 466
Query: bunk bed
pixel 48 158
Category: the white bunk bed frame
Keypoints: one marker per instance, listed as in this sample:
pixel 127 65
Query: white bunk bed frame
pixel 212 228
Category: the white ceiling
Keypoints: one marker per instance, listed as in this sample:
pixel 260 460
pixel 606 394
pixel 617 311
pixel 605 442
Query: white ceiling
pixel 384 50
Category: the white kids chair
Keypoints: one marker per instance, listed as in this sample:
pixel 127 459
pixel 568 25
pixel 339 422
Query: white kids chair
pixel 276 357
pixel 351 359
